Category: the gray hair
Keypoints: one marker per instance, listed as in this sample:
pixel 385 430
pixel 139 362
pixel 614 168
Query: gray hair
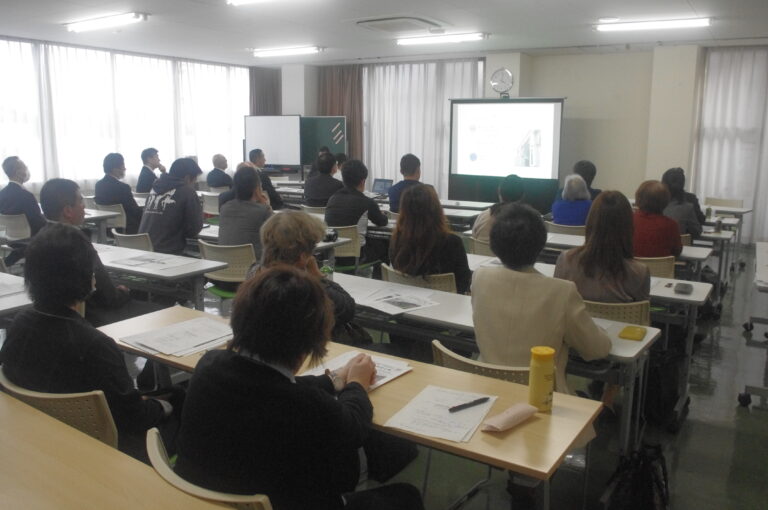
pixel 575 188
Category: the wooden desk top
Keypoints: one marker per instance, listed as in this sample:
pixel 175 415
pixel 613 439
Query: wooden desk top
pixel 535 448
pixel 49 465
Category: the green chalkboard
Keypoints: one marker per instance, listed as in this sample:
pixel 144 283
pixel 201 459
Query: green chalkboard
pixel 319 131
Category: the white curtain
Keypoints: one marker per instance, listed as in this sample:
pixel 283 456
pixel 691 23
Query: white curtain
pixel 733 139
pixel 406 108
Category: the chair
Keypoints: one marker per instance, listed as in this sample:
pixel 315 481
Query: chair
pixel 118 221
pixel 16 226
pixel 638 312
pixel 576 230
pixel 239 259
pixel 444 281
pixel 219 190
pixel 686 239
pixel 88 412
pixel 135 241
pixel 351 249
pixel 662 267
pixel 444 357
pixel 312 210
pixel 480 247
pixel 158 456
pixel 211 204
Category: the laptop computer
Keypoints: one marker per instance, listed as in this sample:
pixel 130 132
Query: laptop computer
pixel 381 186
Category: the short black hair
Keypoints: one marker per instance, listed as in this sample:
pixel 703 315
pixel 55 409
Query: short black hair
pixel 587 171
pixel 183 167
pixel 518 235
pixel 341 158
pixel 58 270
pixel 9 166
pixel 325 163
pixel 113 160
pixel 282 314
pixel 324 150
pixel 511 188
pixel 409 164
pixel 55 195
pixel 147 153
pixel 674 180
pixel 255 154
pixel 245 181
pixel 353 173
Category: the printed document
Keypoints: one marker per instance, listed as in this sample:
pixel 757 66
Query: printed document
pixel 386 368
pixel 155 262
pixel 183 338
pixel 398 299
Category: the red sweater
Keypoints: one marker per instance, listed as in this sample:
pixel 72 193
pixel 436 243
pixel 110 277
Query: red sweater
pixel 656 235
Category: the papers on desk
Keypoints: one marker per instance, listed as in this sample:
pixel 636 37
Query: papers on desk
pixel 183 338
pixel 155 262
pixel 395 300
pixel 386 368
pixel 427 414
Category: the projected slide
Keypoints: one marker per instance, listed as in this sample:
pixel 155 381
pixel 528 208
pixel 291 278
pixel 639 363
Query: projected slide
pixel 498 138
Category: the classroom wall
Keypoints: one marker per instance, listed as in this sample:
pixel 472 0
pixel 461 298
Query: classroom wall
pixel 299 85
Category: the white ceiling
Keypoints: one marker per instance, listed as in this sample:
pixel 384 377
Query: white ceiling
pixel 211 30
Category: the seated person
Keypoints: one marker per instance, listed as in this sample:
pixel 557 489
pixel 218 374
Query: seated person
pixel 410 168
pixel 604 269
pixel 62 202
pixel 422 244
pixel 147 176
pixel 515 307
pixel 173 212
pixel 14 199
pixel 680 209
pixel 573 208
pixel 218 178
pixel 259 160
pixel 313 170
pixel 341 158
pixel 511 189
pixel 240 220
pixel 323 185
pixel 688 197
pixel 655 234
pixel 51 348
pixel 110 191
pixel 587 171
pixel 293 438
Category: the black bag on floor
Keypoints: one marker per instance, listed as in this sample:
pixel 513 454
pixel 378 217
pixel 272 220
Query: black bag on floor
pixel 639 482
pixel 663 389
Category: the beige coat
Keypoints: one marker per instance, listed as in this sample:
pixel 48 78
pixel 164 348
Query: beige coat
pixel 516 310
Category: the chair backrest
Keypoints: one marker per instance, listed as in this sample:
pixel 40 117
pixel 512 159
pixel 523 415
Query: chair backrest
pixel 136 194
pixel 479 247
pixel 158 456
pixel 219 190
pixel 724 202
pixel 576 230
pixel 445 281
pixel 135 241
pixel 309 209
pixel 88 412
pixel 444 357
pixel 118 221
pixel 16 226
pixel 351 249
pixel 686 240
pixel 638 312
pixel 662 267
pixel 239 259
pixel 211 204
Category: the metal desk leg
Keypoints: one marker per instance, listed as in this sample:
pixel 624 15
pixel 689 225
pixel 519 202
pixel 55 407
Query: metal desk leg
pixel 625 428
pixel 642 378
pixel 681 407
pixel 198 290
pixel 720 259
pixel 102 232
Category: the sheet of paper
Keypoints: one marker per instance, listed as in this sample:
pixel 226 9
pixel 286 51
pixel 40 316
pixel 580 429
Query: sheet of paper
pixel 183 338
pixel 155 262
pixel 427 414
pixel 394 300
pixel 386 368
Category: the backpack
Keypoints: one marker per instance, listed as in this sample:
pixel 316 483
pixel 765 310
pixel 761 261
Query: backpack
pixel 639 482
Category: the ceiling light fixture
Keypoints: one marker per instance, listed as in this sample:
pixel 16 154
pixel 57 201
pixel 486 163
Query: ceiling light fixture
pixel 654 25
pixel 440 39
pixel 608 19
pixel 245 2
pixel 286 52
pixel 116 20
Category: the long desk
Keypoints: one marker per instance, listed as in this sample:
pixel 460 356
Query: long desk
pixel 466 204
pixel 99 219
pixel 535 448
pixel 12 303
pixel 193 269
pixel 48 464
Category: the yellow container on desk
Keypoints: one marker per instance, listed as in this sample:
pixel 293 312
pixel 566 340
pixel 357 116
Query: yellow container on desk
pixel 541 380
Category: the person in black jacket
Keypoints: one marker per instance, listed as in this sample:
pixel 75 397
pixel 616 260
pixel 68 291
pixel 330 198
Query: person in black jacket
pixel 322 186
pixel 51 348
pixel 218 178
pixel 678 173
pixel 151 160
pixel 259 159
pixel 251 425
pixel 173 212
pixel 14 199
pixel 110 191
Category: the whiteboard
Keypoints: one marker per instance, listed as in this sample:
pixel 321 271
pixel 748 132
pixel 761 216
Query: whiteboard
pixel 279 136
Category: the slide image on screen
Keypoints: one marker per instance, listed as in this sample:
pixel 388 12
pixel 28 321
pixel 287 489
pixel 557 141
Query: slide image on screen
pixel 502 138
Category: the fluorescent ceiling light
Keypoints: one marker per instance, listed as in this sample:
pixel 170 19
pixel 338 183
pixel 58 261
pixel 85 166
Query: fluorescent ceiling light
pixel 654 25
pixel 440 39
pixel 286 52
pixel 246 2
pixel 608 19
pixel 116 20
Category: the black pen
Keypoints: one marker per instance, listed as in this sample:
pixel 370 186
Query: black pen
pixel 467 405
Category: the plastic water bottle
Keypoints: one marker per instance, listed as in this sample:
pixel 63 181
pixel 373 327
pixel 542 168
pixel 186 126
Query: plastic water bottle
pixel 541 380
pixel 327 269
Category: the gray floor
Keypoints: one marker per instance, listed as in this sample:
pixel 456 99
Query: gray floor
pixel 718 459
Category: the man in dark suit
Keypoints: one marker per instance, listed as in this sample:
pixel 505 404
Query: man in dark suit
pixel 218 178
pixel 257 157
pixel 14 199
pixel 147 176
pixel 318 189
pixel 110 191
